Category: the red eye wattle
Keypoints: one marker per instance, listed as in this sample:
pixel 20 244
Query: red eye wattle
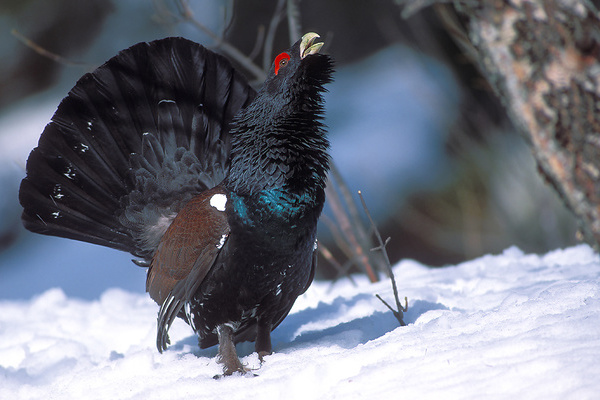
pixel 281 61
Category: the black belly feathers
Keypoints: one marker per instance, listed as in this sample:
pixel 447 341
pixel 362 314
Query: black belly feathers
pixel 166 152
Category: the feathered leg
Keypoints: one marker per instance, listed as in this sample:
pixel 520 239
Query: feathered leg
pixel 227 353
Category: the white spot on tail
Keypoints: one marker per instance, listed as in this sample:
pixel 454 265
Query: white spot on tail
pixel 222 241
pixel 69 173
pixel 218 201
pixel 57 192
pixel 190 315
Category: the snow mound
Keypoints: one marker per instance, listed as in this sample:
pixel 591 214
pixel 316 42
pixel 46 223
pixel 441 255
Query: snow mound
pixel 498 327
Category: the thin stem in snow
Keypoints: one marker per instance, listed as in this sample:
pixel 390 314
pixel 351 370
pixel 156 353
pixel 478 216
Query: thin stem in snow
pixel 399 311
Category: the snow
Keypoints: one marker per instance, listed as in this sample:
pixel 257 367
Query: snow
pixel 502 326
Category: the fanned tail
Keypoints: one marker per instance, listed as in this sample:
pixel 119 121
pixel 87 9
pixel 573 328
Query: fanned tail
pixel 131 143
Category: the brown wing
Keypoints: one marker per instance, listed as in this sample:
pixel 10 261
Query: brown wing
pixel 186 253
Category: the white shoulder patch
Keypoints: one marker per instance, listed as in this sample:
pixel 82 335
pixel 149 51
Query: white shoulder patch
pixel 218 201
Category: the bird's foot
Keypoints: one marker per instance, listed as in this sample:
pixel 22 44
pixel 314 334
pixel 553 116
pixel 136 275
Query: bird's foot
pixel 227 354
pixel 234 367
pixel 263 354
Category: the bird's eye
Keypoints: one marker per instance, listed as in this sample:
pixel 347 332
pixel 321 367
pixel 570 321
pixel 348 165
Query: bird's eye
pixel 281 61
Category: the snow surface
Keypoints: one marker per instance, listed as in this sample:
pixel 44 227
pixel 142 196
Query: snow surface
pixel 498 327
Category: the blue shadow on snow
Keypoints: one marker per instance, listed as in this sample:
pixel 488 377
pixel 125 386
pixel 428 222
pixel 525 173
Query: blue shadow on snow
pixel 347 334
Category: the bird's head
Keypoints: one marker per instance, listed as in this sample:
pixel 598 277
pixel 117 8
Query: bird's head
pixel 299 68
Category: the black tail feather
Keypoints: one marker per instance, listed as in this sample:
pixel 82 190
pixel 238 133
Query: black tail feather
pixel 131 143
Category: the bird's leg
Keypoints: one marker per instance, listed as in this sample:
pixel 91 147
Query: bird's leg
pixel 263 339
pixel 227 354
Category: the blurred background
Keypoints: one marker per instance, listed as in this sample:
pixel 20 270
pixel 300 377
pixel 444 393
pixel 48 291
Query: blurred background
pixel 412 125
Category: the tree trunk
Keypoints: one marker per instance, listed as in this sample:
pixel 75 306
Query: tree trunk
pixel 542 59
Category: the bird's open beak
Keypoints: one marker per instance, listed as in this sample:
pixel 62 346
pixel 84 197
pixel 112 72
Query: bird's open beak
pixel 308 45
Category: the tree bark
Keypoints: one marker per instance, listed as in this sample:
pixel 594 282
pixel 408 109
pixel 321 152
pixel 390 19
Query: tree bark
pixel 542 59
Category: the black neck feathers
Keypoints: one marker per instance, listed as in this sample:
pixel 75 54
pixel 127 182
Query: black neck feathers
pixel 279 141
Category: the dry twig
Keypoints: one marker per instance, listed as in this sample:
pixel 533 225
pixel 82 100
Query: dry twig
pixel 46 53
pixel 293 14
pixel 271 31
pixel 230 50
pixel 347 224
pixel 400 310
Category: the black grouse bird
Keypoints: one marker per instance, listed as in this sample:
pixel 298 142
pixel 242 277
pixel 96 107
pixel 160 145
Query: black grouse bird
pixel 166 152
